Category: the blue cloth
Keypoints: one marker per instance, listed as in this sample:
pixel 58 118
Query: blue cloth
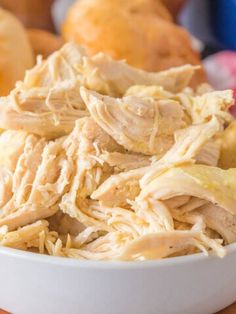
pixel 223 21
pixel 211 21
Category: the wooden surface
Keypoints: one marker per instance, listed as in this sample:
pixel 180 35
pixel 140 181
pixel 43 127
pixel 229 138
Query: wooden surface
pixel 230 310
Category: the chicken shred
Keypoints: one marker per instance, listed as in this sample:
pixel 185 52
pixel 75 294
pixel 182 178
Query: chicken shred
pixel 154 123
pixel 102 161
pixel 48 100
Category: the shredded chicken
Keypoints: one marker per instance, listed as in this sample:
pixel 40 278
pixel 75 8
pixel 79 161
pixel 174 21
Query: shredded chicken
pixel 219 220
pixel 190 146
pixel 209 154
pixel 125 162
pixel 153 123
pixel 215 217
pixel 211 183
pixel 5 185
pixel 63 224
pixel 48 100
pixel 30 197
pixel 114 77
pixel 164 244
pixel 28 237
pixel 11 145
pixel 120 188
pixel 199 106
pixel 102 161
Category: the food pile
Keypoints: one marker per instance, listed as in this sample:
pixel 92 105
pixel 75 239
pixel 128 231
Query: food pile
pixel 100 160
pixel 142 32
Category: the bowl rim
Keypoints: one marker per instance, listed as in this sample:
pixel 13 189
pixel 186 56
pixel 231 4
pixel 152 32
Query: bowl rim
pixel 112 265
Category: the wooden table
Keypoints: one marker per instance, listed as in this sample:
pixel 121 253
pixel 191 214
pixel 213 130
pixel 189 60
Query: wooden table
pixel 230 310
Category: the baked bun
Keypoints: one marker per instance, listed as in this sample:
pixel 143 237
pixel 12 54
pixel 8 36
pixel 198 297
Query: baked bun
pixel 140 31
pixel 173 6
pixel 44 43
pixel 15 52
pixel 31 13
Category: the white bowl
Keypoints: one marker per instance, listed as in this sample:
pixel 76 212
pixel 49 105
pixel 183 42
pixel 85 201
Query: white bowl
pixel 39 284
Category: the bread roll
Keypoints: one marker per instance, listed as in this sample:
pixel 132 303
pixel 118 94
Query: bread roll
pixel 174 6
pixel 139 31
pixel 15 52
pixel 44 43
pixel 32 13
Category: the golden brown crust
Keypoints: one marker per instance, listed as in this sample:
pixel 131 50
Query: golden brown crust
pixel 15 52
pixel 137 31
pixel 32 13
pixel 173 6
pixel 44 43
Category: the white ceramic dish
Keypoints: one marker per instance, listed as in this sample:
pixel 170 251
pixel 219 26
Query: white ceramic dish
pixel 38 284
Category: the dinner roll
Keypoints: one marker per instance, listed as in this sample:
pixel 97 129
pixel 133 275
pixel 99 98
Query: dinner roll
pixel 140 31
pixel 32 13
pixel 44 43
pixel 174 6
pixel 15 52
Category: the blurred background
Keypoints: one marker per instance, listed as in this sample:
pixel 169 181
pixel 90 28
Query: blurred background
pixel 149 34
